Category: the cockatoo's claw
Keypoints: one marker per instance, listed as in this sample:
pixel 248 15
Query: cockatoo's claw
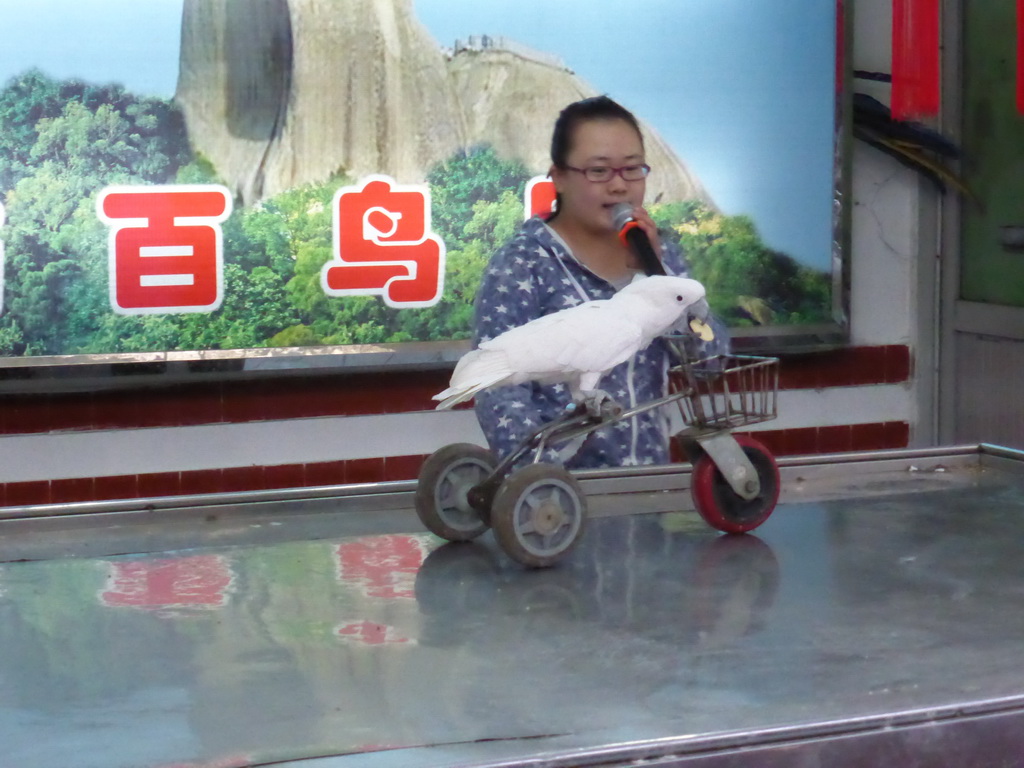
pixel 601 405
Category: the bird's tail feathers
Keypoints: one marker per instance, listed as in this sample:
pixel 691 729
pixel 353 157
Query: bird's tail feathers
pixel 474 373
pixel 460 394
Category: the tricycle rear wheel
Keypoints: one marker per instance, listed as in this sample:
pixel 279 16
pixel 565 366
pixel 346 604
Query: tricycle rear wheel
pixel 538 514
pixel 442 493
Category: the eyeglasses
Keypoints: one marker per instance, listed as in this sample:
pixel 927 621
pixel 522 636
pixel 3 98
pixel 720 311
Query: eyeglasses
pixel 598 173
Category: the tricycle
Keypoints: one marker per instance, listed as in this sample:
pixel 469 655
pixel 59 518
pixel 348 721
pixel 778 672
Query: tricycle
pixel 538 509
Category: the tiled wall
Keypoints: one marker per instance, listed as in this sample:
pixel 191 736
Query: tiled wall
pixel 227 402
pixel 210 481
pixel 233 402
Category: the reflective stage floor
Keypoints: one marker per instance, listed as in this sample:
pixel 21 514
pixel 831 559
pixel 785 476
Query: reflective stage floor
pixel 875 619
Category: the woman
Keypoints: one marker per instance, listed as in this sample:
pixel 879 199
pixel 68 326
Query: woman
pixel 597 162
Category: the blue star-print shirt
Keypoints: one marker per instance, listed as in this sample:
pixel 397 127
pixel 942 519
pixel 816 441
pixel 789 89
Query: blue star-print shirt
pixel 535 274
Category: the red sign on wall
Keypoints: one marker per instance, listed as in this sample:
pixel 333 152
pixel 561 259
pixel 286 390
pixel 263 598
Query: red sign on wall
pixel 383 245
pixel 165 247
pixel 916 50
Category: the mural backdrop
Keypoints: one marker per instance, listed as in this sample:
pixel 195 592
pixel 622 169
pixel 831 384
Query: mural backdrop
pixel 241 174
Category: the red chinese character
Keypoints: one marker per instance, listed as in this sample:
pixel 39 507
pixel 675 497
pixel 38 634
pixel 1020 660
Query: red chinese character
pixel 370 633
pixel 199 581
pixel 540 196
pixel 381 566
pixel 383 246
pixel 166 251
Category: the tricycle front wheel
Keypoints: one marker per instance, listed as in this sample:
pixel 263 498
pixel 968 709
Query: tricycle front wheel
pixel 724 509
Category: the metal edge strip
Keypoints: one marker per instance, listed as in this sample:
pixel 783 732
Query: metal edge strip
pixel 605 481
pixel 1000 451
pixel 694 745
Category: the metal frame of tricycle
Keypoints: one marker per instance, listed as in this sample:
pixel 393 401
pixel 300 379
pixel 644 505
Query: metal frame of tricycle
pixel 714 394
pixel 537 509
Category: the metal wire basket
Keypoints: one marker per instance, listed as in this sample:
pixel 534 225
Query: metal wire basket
pixel 726 391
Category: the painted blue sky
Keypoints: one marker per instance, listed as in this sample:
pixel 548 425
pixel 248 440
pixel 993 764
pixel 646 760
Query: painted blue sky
pixel 134 42
pixel 743 91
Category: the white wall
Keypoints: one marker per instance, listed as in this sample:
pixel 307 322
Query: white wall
pixel 894 265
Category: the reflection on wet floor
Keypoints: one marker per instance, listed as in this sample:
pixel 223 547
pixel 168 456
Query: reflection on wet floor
pixel 347 642
pixel 731 581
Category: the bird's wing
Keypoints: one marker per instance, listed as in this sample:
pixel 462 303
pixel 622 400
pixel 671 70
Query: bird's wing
pixel 598 341
pixel 590 338
pixel 542 349
pixel 543 324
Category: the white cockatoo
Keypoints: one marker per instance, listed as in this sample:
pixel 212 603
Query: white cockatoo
pixel 578 345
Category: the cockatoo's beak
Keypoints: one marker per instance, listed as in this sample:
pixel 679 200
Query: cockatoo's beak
pixel 697 314
pixel 699 310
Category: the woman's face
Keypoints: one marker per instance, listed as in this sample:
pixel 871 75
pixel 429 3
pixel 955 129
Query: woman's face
pixel 588 204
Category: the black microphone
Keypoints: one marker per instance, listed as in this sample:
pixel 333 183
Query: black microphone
pixel 636 239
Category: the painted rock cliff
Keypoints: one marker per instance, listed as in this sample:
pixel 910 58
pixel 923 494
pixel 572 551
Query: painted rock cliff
pixel 279 93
